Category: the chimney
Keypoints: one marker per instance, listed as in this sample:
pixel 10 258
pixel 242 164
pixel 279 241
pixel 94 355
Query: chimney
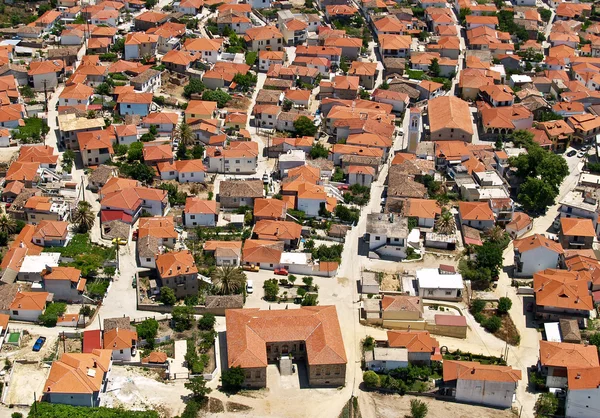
pixel 473 370
pixel 578 376
pixel 95 364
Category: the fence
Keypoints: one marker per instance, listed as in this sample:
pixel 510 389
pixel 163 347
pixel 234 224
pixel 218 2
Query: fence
pixel 143 343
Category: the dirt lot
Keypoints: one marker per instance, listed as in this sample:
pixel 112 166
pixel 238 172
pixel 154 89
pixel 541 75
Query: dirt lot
pixel 137 389
pixel 26 380
pixel 389 283
pixel 387 406
pixel 72 345
pixel 25 351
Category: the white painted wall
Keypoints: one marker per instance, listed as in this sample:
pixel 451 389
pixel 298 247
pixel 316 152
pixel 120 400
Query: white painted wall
pixel 537 259
pixel 583 403
pixel 199 219
pixel 499 394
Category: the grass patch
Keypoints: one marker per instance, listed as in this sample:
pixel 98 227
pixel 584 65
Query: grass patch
pixel 465 356
pixel 97 288
pixel 215 406
pixel 508 331
pixel 87 256
pixel 48 410
pixel 415 74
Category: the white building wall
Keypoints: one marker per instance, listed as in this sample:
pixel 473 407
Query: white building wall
pixel 309 206
pixel 437 293
pixel 536 260
pixel 191 177
pixel 153 206
pixel 50 78
pixel 124 354
pixel 132 52
pixel 386 365
pixel 147 262
pixel 25 315
pixel 73 102
pixel 199 219
pixel 583 403
pixel 127 140
pixel 499 394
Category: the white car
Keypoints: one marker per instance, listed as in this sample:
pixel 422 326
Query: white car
pixel 249 286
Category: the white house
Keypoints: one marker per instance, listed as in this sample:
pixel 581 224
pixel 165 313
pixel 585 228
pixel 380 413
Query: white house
pixel 126 134
pixel 28 306
pixel 310 199
pixel 71 37
pixel 75 94
pixel 385 359
pixel 360 174
pixel 122 342
pixel 398 100
pixel 239 157
pixel 536 253
pixel 583 393
pixel 435 285
pixel 260 4
pixel 424 210
pixel 210 50
pixel 477 215
pixel 577 204
pixel 4 137
pixel 134 103
pixel 200 212
pixel 387 235
pixel 184 171
pixel 472 382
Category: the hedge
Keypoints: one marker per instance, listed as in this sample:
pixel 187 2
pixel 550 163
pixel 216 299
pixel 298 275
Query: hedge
pixel 48 410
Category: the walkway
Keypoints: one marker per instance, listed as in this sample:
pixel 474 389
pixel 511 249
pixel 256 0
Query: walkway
pixel 177 364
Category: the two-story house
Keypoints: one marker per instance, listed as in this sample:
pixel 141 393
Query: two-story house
pixel 536 253
pixel 177 270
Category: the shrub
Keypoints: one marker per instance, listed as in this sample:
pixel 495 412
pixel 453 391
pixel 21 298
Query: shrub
pixel 233 378
pixel 371 379
pixel 53 311
pixel 147 329
pixel 504 305
pixel 167 296
pixel 492 324
pixel 477 305
pixel 207 322
pixel 271 288
pixel 182 318
pixel 368 343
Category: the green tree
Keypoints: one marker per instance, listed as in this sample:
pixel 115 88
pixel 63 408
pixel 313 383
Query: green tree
pixel 119 45
pixel 138 171
pixel 287 105
pixel 418 408
pixel 233 378
pixel 477 305
pixel 464 12
pixel 103 89
pixel 434 67
pixel 536 195
pixel 546 405
pixel 310 299
pixel 504 305
pixel 271 288
pixel 218 96
pixel 197 385
pixel 344 66
pixel 135 152
pixel 251 58
pixel 371 379
pixel 308 282
pixel 185 135
pixel 27 92
pixel 147 329
pixel 120 150
pixel 305 127
pixel 182 152
pixel 445 224
pixel 167 296
pixel 489 255
pixel 195 86
pixel 318 151
pixel 207 322
pixel 183 317
pixel 83 217
pixel 228 280
pixel 545 14
pixel 198 152
pixel 245 81
pixel 595 339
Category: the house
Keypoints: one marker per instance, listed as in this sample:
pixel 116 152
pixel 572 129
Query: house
pixel 366 72
pixel 96 147
pixel 134 104
pixel 238 157
pixel 131 201
pixel 189 7
pixel 362 175
pixel 287 231
pixel 400 308
pixel 536 253
pixel 385 359
pixel 421 346
pixel 256 338
pixel 149 19
pixel 139 45
pixel 473 382
pixel 78 379
pixel 44 74
pixel 557 358
pixel 28 306
pixel 70 125
pixel 399 101
pixel 434 284
pixel 559 133
pixel 387 235
pixel 126 134
pixel 75 94
pixel 148 81
pixel 178 61
pixel 65 283
pixel 311 198
pixel 177 270
pixel 586 126
pixel 169 36
pixel 562 294
pixel 268 58
pixel 122 342
pixel 294 31
pixel 452 119
pixel 200 212
pixel 263 254
pixel 226 253
pixel 477 215
pixel 576 233
pixel 269 209
pixel 185 171
pixel 424 210
pixel 165 122
pixel 351 47
pixel 39 208
pixel 11 116
pixel 51 234
pixel 208 50
pixel 397 46
pixel 236 193
pixel 199 110
pixel 263 38
pixel 582 393
pixel 578 204
pixel 25 172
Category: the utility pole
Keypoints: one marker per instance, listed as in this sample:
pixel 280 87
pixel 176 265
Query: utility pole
pixel 45 98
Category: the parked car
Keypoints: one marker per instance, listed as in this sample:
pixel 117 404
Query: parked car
pixel 134 283
pixel 281 272
pixel 39 343
pixel 251 267
pixel 265 178
pixel 135 234
pixel 580 154
pixel 249 286
pixel 571 153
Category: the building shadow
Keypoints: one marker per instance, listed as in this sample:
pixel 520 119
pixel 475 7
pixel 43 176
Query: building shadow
pixel 363 247
pixel 528 312
pixel 222 341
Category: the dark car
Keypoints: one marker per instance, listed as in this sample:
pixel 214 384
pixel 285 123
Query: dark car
pixel 39 343
pixel 571 153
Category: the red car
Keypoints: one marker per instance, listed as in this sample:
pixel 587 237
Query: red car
pixel 343 187
pixel 135 234
pixel 281 272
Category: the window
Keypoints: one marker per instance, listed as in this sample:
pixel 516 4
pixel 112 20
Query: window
pixel 377 238
pixel 430 292
pixel 121 351
pixel 448 292
pixel 148 259
pixel 257 374
pixel 192 216
pixel 237 161
pixel 15 313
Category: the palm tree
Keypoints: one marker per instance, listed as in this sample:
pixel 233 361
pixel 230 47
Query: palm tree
pixel 228 280
pixel 185 134
pixel 7 225
pixel 445 224
pixel 495 234
pixel 83 217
